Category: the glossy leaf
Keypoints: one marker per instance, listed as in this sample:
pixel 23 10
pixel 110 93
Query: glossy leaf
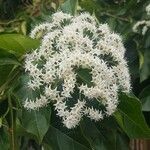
pixel 104 135
pixel 145 70
pixel 17 44
pixel 84 76
pixel 145 98
pixel 35 122
pixel 60 141
pixel 8 61
pixel 69 6
pixel 130 117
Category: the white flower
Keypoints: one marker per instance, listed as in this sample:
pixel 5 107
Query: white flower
pixel 94 114
pixel 70 44
pixel 51 93
pixel 144 24
pixel 38 103
pixel 39 29
pixel 73 117
pixel 148 9
pixel 60 16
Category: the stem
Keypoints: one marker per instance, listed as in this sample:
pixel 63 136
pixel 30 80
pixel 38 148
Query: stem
pixel 117 17
pixel 11 22
pixel 12 123
pixel 9 80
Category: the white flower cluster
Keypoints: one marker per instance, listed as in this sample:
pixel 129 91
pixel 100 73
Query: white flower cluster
pixel 148 9
pixel 73 48
pixel 144 24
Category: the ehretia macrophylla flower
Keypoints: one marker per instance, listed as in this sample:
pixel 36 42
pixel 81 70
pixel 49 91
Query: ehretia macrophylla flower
pixel 79 67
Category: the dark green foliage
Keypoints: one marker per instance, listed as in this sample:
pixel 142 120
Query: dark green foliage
pixel 134 125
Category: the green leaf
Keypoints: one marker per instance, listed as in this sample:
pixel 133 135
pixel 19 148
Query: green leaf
pixel 145 98
pixel 4 73
pixel 17 44
pixel 104 135
pixel 147 40
pixel 132 57
pixel 60 141
pixel 84 76
pixel 47 146
pixel 145 70
pixel 141 59
pixel 8 61
pixel 69 6
pixel 112 23
pixel 132 120
pixel 35 122
pixel 4 141
pixel 89 5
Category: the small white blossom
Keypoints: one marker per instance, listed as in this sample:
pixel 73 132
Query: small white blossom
pixel 143 24
pixel 94 114
pixel 38 103
pixel 39 29
pixel 148 9
pixel 69 44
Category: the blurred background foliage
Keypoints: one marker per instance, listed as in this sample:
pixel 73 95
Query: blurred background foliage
pixel 20 16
